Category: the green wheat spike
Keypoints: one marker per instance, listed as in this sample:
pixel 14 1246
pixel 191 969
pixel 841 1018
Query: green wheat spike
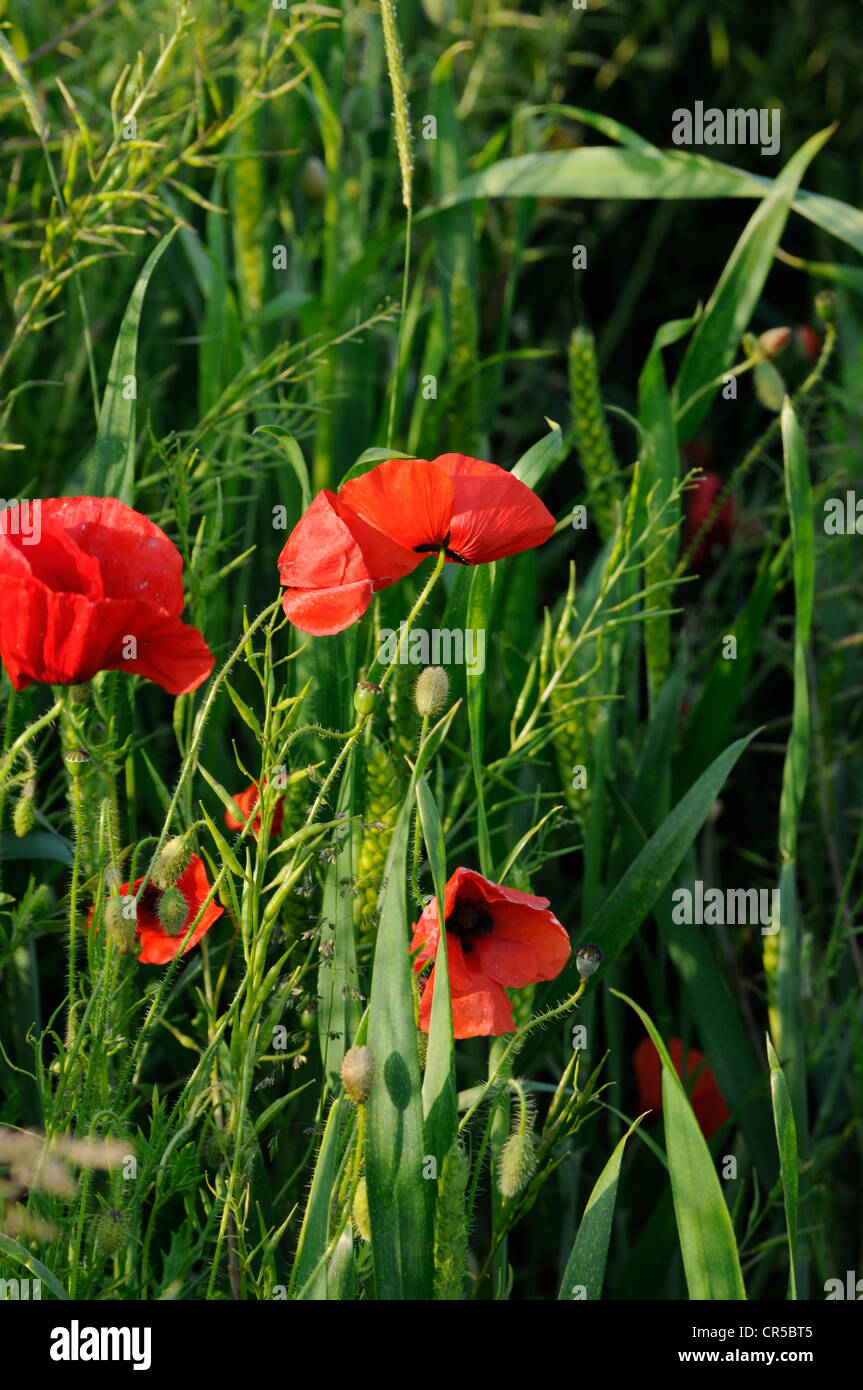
pixel 382 803
pixel 450 1235
pixel 590 430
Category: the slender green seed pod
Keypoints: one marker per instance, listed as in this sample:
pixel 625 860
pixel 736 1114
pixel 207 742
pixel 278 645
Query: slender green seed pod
pixel 360 1211
pixel 450 1234
pixel 395 64
pixel 590 429
pixel 516 1165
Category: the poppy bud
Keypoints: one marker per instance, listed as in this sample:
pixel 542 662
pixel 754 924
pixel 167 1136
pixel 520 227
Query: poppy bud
pixel 516 1165
pixel 360 1211
pixel 431 691
pixel 314 179
pixel 172 863
pixel 75 760
pixel 358 1073
pixel 367 696
pixel 773 342
pixel 588 959
pixel 120 929
pixel 769 386
pixel 110 1232
pixel 825 305
pixel 172 911
pixel 24 814
pixel 807 342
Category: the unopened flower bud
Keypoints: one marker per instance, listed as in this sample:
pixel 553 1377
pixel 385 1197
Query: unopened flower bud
pixel 358 1073
pixel 360 1211
pixel 172 911
pixel 588 959
pixel 431 691
pixel 769 386
pixel 172 863
pixel 314 179
pixel 807 342
pixel 516 1165
pixel 367 697
pixel 110 1232
pixel 75 760
pixel 24 815
pixel 825 306
pixel 120 928
pixel 773 342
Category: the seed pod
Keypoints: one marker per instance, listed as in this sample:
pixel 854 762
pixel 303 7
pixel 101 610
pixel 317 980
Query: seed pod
pixel 516 1165
pixel 360 1211
pixel 172 911
pixel 172 863
pixel 358 1073
pixel 367 697
pixel 76 759
pixel 431 692
pixel 588 959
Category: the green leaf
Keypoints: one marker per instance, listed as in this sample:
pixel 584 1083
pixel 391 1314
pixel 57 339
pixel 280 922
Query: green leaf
pixel 589 1254
pixel 632 899
pixel 541 460
pixel 440 1106
pixel 710 1258
pixel 400 1199
pixel 245 713
pixel 786 1138
pixel 114 471
pixel 315 1231
pixel 22 1256
pixel 717 338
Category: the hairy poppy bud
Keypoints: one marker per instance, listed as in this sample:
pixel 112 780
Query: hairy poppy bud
pixel 431 691
pixel 769 386
pixel 773 342
pixel 75 760
pixel 825 305
pixel 120 928
pixel 807 342
pixel 24 814
pixel 516 1165
pixel 588 959
pixel 358 1073
pixel 110 1232
pixel 172 863
pixel 314 179
pixel 360 1211
pixel 172 911
pixel 367 697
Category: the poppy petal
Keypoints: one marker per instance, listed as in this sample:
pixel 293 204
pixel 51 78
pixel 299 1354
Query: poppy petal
pixel 493 514
pixel 394 508
pixel 526 945
pixel 483 1010
pixel 135 558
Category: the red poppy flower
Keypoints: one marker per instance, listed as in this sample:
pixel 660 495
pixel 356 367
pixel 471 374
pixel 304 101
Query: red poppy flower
pixel 379 527
pixel 700 502
pixel 247 801
pixel 93 586
pixel 158 946
pixel 495 936
pixel 705 1097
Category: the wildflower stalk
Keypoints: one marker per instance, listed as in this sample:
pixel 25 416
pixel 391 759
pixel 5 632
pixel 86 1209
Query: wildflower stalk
pixel 401 111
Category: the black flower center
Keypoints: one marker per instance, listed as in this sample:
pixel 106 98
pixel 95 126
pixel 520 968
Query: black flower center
pixel 469 919
pixel 433 547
